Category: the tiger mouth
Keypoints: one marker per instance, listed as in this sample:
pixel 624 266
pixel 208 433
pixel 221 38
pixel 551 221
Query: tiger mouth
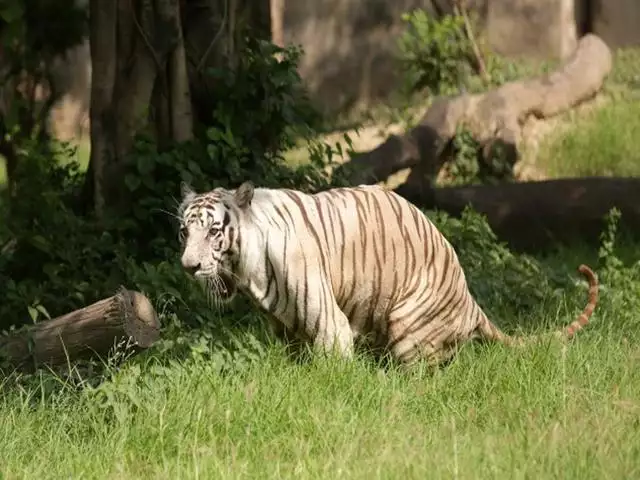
pixel 227 286
pixel 220 283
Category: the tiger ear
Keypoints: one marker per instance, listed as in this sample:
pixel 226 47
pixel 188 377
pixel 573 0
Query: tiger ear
pixel 244 194
pixel 187 192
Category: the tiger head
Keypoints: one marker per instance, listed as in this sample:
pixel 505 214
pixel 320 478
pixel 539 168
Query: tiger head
pixel 210 236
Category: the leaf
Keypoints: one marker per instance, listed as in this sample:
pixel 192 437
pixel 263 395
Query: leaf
pixel 33 313
pixel 187 177
pixel 43 311
pixel 132 182
pixel 11 11
pixel 194 167
pixel 40 243
pixel 172 291
pixel 146 165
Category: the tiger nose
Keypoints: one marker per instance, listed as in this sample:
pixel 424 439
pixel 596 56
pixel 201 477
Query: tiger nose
pixel 191 267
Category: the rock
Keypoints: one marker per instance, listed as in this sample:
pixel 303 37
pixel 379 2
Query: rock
pixel 617 22
pixel 540 29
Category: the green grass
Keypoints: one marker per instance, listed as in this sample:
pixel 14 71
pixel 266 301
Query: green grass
pixel 603 142
pixel 539 412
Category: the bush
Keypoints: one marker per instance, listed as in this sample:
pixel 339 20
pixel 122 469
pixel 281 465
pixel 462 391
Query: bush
pixel 433 53
pixel 469 166
pixel 64 261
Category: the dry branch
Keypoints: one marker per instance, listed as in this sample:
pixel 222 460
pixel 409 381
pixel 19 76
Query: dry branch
pixel 92 330
pixel 460 9
pixel 493 118
pixel 532 215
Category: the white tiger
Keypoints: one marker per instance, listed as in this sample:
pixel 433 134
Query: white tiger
pixel 340 265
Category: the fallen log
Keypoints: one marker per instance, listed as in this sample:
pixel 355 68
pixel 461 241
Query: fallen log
pixel 93 330
pixel 534 215
pixel 493 118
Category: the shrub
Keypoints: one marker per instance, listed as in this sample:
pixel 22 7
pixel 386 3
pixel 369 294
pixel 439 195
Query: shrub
pixel 64 261
pixel 433 53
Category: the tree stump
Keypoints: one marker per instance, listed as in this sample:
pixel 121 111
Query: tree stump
pixel 93 330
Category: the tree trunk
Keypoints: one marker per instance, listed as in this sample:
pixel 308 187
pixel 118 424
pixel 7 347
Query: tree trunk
pixel 146 63
pixel 533 215
pixel 103 54
pixel 181 115
pixel 493 118
pixel 153 73
pixel 277 22
pixel 93 330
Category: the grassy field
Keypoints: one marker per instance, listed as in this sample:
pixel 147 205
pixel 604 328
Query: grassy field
pixel 603 141
pixel 539 412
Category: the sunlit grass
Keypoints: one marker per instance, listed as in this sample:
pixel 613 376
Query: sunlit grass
pixel 602 143
pixel 539 412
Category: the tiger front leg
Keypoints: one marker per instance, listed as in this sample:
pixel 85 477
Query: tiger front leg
pixel 324 323
pixel 334 335
pixel 309 309
pixel 327 332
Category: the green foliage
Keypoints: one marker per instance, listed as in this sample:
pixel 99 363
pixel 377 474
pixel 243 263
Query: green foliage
pixel 433 53
pixel 39 271
pixel 621 279
pixel 38 30
pixel 250 146
pixel 468 164
pixel 265 82
pixel 464 168
pixel 64 260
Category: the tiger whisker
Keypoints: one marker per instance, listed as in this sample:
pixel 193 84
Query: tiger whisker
pixel 167 212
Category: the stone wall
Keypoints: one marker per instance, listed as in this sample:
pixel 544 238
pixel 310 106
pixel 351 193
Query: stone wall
pixel 349 44
pixel 532 28
pixel 617 22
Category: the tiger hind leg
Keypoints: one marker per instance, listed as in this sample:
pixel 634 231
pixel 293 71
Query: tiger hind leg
pixel 487 331
pixel 419 338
